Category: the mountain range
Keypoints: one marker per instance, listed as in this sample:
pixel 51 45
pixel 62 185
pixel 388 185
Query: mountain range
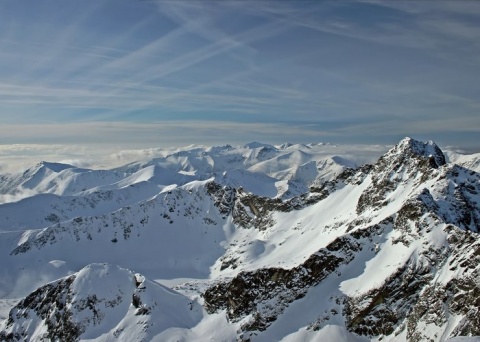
pixel 248 243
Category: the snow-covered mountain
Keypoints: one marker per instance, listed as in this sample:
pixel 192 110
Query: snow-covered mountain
pixel 257 242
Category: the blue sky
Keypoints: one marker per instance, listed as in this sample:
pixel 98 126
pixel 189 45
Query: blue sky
pixel 135 73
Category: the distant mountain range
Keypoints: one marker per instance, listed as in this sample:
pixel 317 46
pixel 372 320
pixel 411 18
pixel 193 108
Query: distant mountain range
pixel 249 243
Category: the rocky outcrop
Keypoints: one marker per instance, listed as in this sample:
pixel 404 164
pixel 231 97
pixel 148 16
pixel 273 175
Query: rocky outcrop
pixel 64 309
pixel 265 293
pixel 411 297
pixel 379 311
pixel 402 256
pixel 249 210
pixel 414 298
pixel 49 304
pixel 409 161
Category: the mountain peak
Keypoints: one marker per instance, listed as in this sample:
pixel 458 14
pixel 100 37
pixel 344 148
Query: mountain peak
pixel 422 149
pixel 256 144
pixel 97 303
pixel 387 251
pixel 55 167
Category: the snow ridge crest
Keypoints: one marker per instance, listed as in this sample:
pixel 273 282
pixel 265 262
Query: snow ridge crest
pixel 422 149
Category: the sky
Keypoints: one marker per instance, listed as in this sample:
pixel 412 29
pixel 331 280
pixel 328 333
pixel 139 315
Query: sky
pixel 102 75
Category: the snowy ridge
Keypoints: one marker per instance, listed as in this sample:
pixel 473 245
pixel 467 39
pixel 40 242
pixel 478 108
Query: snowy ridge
pixel 101 302
pixel 183 166
pixel 260 243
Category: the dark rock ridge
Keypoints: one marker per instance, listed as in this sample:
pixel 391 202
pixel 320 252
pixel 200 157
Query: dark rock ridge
pixel 48 303
pixel 264 294
pixel 251 211
pixel 67 308
pixel 410 160
pixel 411 204
pixel 410 297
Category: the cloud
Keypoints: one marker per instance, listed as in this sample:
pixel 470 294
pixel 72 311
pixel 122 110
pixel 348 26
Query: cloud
pixel 106 145
pixel 249 69
pixel 167 133
pixel 180 133
pixel 440 30
pixel 98 144
pixel 113 79
pixel 15 157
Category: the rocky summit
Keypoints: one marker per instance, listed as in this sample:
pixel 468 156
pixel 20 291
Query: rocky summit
pixel 247 243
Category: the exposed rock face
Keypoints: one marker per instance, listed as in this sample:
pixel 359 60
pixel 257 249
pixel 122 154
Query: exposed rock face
pixel 410 160
pixel 100 301
pixel 398 255
pixel 412 297
pixel 265 293
pixel 65 309
pixel 249 210
pixel 48 303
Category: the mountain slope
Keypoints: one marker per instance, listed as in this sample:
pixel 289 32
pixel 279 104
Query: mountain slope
pixel 242 163
pixel 388 251
pixel 404 238
pixel 100 302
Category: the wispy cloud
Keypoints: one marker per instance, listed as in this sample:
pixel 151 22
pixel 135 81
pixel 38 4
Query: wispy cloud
pixel 132 81
pixel 165 133
pixel 181 133
pixel 356 66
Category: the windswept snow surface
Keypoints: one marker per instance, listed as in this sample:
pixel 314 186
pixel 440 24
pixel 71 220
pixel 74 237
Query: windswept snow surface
pixel 131 253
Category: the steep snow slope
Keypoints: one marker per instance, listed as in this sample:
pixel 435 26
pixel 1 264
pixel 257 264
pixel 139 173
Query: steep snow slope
pixel 60 179
pixel 388 251
pixel 157 237
pixel 100 302
pixel 398 245
pixel 47 209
